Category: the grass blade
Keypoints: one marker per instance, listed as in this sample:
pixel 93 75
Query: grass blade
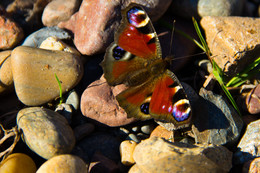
pixel 59 83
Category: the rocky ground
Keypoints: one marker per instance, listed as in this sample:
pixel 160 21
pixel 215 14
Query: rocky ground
pixel 87 131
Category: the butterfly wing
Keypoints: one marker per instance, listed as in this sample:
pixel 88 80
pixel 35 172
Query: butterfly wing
pixel 161 98
pixel 136 45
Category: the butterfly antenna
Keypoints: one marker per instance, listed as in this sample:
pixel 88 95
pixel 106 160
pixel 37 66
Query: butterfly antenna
pixel 173 27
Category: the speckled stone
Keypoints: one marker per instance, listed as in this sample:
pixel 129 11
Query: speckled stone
pixel 46 132
pixel 6 75
pixel 34 72
pixel 158 155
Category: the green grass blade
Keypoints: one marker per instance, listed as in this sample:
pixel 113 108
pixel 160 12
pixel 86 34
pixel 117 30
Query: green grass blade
pixel 59 83
pixel 246 74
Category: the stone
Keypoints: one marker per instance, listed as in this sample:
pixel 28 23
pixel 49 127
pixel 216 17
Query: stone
pixel 93 31
pixel 253 100
pixel 162 132
pixel 46 132
pixel 201 8
pixel 83 130
pixel 249 145
pixel 233 41
pixel 34 72
pixel 220 8
pixel 100 163
pixel 254 166
pixel 158 155
pixel 126 151
pixel 102 142
pixel 147 129
pixel 133 137
pixel 27 13
pixel 6 75
pixel 59 10
pixel 10 33
pixel 217 122
pixel 73 100
pixel 65 110
pixel 98 102
pixel 66 163
pixel 53 43
pixel 36 38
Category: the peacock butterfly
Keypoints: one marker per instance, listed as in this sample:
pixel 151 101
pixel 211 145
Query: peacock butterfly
pixel 135 59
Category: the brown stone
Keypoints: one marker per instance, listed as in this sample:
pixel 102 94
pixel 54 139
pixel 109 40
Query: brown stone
pixel 93 25
pixel 59 10
pixel 6 75
pixel 233 41
pixel 98 102
pixel 66 163
pixel 100 163
pixel 162 132
pixel 253 100
pixel 34 72
pixel 10 33
pixel 158 155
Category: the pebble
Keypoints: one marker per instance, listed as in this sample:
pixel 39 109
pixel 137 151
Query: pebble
pixel 201 8
pixel 46 132
pixel 102 142
pixel 26 13
pixel 100 163
pixel 249 145
pixel 36 38
pixel 53 43
pixel 83 130
pixel 96 21
pixel 73 99
pixel 59 10
pixel 65 110
pixel 11 34
pixel 98 102
pixel 253 100
pixel 254 166
pixel 126 152
pixel 147 129
pixel 66 163
pixel 164 156
pixel 133 137
pixel 162 132
pixel 217 122
pixel 6 75
pixel 34 72
pixel 227 46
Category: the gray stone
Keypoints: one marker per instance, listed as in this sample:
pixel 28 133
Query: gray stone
pixel 36 38
pixel 217 122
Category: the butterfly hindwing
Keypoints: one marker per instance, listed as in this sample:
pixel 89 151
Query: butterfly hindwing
pixel 161 98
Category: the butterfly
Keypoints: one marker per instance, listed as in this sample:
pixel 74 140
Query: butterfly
pixel 135 59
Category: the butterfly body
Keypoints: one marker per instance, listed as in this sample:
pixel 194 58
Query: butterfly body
pixel 135 59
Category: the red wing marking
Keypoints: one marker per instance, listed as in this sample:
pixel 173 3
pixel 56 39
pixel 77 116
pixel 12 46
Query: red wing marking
pixel 161 101
pixel 136 42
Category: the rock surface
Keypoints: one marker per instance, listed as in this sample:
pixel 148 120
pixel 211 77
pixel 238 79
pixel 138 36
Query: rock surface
pixel 10 33
pixel 249 145
pixel 98 102
pixel 218 123
pixel 164 156
pixel 64 163
pixel 253 100
pixel 59 10
pixel 126 151
pixel 34 72
pixel 47 133
pixel 6 75
pixel 233 41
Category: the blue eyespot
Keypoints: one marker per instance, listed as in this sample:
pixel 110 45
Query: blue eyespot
pixel 118 53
